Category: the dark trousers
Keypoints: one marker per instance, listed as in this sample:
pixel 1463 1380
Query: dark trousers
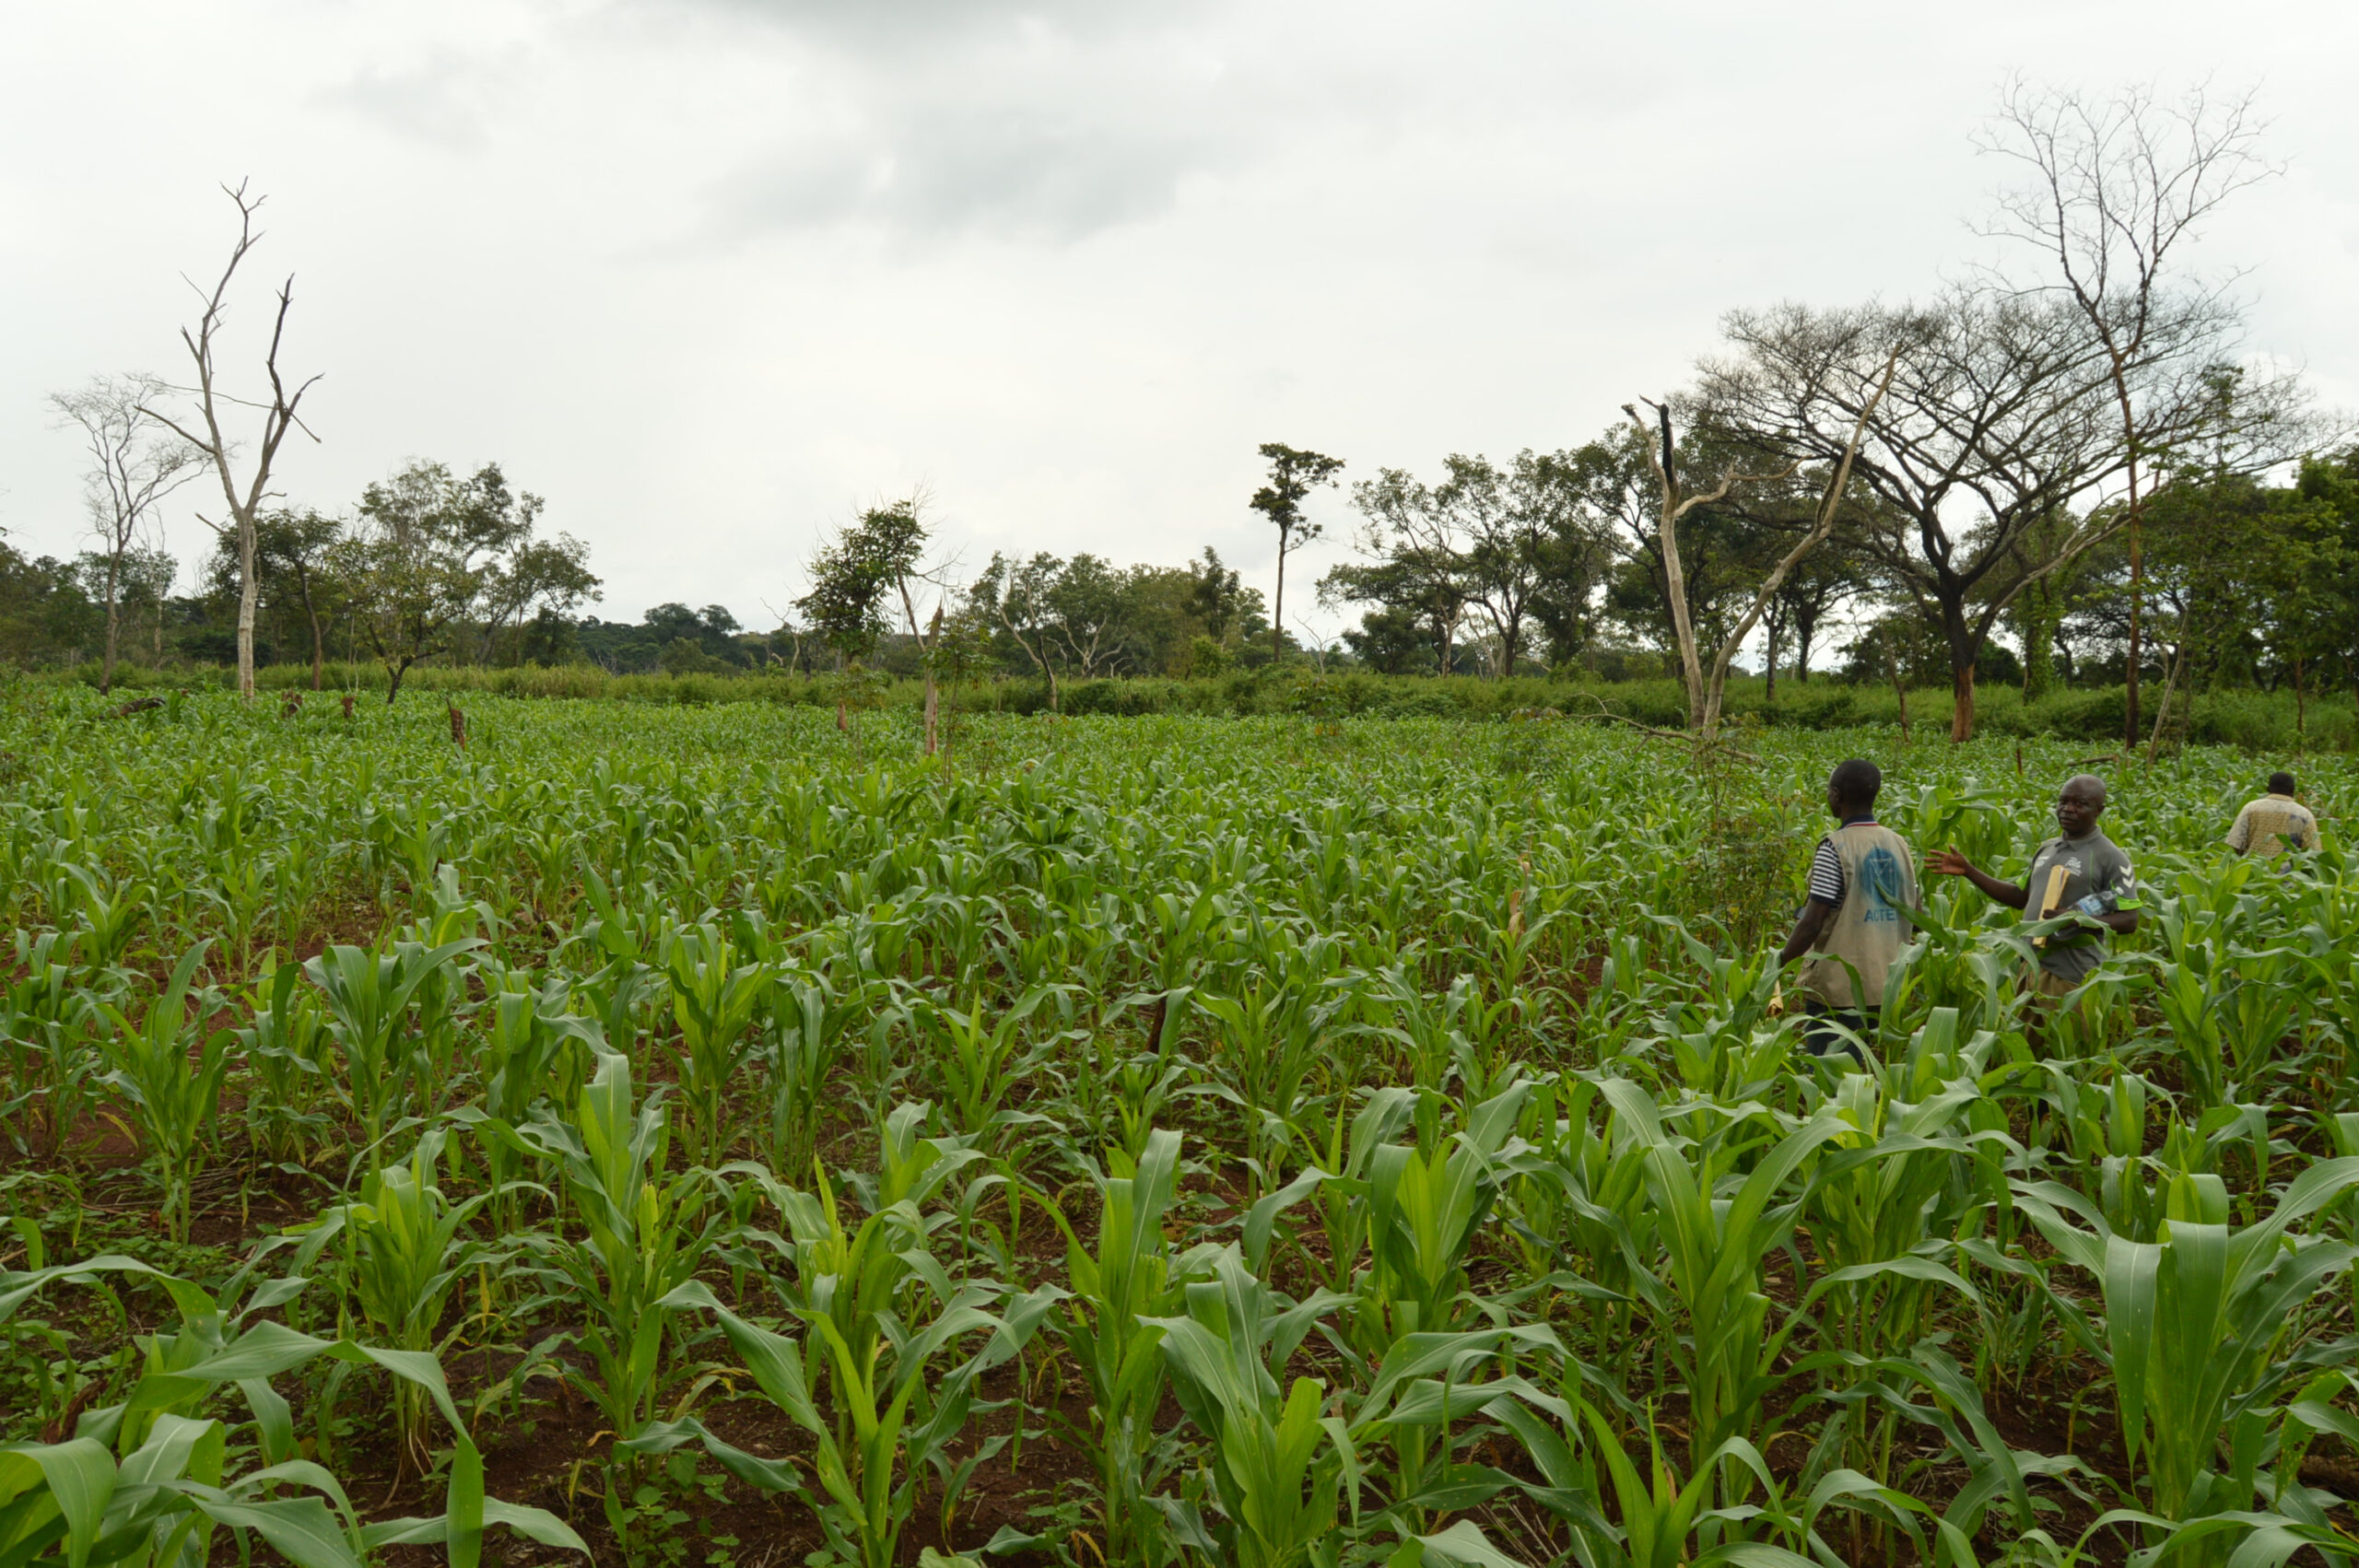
pixel 1820 1022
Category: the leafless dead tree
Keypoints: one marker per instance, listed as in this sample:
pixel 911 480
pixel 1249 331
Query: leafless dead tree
pixel 2113 184
pixel 1036 647
pixel 1708 689
pixel 135 464
pixel 214 407
pixel 1676 506
pixel 1316 643
pixel 1088 645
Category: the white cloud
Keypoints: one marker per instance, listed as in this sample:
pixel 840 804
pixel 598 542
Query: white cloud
pixel 708 273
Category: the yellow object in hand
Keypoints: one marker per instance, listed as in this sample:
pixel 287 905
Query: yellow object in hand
pixel 2049 901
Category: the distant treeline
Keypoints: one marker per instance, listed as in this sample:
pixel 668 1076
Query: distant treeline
pixel 2251 586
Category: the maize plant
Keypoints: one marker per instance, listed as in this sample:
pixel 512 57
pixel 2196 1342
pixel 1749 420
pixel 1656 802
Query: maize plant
pixel 150 1480
pixel 1277 1138
pixel 284 1052
pixel 852 1276
pixel 370 993
pixel 49 1018
pixel 168 1071
pixel 401 1248
pixel 810 1022
pixel 717 1003
pixel 637 1235
pixel 1130 1275
pixel 977 1064
pixel 897 1415
pixel 2196 1325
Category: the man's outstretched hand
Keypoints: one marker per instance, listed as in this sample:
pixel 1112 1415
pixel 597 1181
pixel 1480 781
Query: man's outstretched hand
pixel 1947 862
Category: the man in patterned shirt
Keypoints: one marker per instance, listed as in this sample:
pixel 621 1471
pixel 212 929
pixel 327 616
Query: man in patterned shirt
pixel 1861 876
pixel 2096 886
pixel 2276 822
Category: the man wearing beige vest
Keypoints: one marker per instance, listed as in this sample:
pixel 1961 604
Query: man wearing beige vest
pixel 1861 876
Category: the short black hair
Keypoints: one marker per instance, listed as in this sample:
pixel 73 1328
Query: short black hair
pixel 2281 783
pixel 1857 782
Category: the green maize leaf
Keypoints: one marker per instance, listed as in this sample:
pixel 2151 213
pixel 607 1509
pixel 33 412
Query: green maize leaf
pixel 663 1436
pixel 1424 1355
pixel 175 1446
pixel 1910 1268
pixel 301 1472
pixel 2130 1272
pixel 300 1528
pixel 462 1506
pixel 1462 1545
pixel 1432 1401
pixel 1750 1554
pixel 532 1524
pixel 80 1476
pixel 274 1419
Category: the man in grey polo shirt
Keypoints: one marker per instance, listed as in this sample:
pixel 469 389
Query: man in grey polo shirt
pixel 2097 884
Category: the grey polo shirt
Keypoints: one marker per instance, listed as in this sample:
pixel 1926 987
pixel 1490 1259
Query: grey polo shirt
pixel 2097 880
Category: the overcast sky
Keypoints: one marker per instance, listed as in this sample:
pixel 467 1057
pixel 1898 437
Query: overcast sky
pixel 709 273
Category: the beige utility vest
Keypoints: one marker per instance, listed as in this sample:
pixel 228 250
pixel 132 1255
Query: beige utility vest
pixel 1866 932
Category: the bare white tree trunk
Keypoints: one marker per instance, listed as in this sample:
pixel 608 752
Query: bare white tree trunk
pixel 278 417
pixel 1702 717
pixel 1706 691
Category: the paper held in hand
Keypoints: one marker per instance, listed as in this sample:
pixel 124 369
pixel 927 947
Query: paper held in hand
pixel 2049 901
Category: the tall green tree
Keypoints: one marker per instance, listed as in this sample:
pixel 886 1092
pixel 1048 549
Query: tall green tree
pixel 295 551
pixel 2001 419
pixel 424 551
pixel 1514 547
pixel 2332 483
pixel 45 616
pixel 1294 474
pixel 2038 613
pixel 2246 580
pixel 1216 595
pixel 874 566
pixel 1018 598
pixel 540 579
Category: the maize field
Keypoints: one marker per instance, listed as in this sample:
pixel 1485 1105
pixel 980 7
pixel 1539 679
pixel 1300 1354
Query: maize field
pixel 713 1138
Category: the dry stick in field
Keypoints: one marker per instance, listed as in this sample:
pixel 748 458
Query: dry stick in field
pixel 1899 686
pixel 2163 709
pixel 1607 715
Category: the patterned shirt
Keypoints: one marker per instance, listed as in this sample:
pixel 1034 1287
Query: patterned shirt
pixel 2274 825
pixel 1826 868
